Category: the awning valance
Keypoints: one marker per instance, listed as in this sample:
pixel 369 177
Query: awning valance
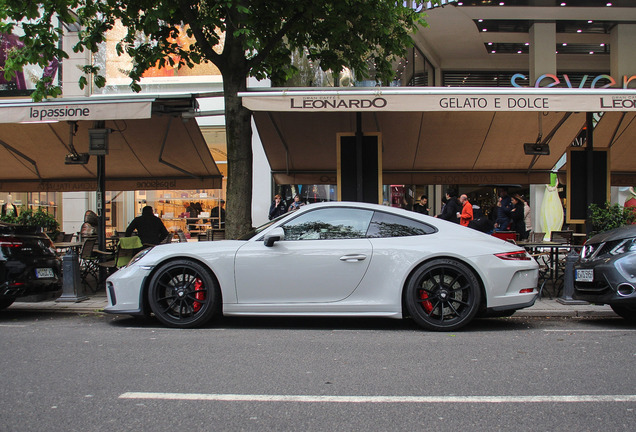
pixel 151 146
pixel 441 135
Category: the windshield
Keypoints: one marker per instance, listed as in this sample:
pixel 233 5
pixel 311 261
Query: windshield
pixel 254 231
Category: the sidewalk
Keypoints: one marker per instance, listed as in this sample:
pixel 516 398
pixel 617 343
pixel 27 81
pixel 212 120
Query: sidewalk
pixel 544 307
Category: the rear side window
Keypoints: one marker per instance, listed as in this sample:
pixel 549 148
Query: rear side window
pixel 389 225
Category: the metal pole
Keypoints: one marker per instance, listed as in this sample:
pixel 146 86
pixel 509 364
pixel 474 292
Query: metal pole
pixel 101 210
pixel 589 138
pixel 359 173
pixel 568 281
pixel 71 279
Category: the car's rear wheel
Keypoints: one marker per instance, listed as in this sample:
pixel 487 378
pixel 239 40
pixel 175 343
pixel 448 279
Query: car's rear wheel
pixel 627 312
pixel 183 294
pixel 443 295
pixel 6 302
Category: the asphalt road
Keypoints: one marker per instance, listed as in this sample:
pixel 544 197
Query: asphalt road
pixel 65 372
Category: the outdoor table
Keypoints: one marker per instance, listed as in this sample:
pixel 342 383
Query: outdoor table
pixel 554 252
pixel 75 245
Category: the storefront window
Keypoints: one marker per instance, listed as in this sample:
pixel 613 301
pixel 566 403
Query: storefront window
pixel 19 201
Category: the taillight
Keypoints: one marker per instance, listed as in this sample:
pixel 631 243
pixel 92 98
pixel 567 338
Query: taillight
pixel 519 255
pixel 10 242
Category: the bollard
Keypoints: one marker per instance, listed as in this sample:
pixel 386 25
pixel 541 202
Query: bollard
pixel 71 280
pixel 568 281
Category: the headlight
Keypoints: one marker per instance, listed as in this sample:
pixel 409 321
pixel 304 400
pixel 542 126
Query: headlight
pixel 624 246
pixel 139 256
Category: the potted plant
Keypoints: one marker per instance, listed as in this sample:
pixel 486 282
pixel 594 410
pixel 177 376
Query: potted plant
pixel 37 218
pixel 610 216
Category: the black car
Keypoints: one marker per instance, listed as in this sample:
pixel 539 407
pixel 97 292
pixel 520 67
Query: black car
pixel 606 271
pixel 28 263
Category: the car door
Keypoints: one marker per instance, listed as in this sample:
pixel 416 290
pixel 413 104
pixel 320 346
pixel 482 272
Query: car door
pixel 322 258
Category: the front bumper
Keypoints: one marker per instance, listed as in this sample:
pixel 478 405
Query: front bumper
pixel 124 290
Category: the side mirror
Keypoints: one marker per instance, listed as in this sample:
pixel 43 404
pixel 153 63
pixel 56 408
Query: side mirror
pixel 277 234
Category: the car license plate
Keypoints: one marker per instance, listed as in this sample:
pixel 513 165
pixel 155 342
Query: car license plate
pixel 41 273
pixel 585 275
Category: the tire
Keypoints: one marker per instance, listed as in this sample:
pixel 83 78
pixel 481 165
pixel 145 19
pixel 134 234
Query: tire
pixel 627 312
pixel 6 302
pixel 443 295
pixel 183 294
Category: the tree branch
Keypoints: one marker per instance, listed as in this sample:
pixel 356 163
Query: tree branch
pixel 262 54
pixel 192 20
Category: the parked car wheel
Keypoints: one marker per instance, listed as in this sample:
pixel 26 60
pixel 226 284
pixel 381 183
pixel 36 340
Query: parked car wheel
pixel 627 312
pixel 6 302
pixel 443 295
pixel 183 294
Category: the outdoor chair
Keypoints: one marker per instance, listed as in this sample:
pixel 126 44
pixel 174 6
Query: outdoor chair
pixel 127 248
pixel 537 237
pixel 564 237
pixel 182 237
pixel 506 235
pixel 89 262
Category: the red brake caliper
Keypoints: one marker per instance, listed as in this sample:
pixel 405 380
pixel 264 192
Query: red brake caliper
pixel 427 305
pixel 199 294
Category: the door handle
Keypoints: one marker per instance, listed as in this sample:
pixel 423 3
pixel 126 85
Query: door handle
pixel 353 258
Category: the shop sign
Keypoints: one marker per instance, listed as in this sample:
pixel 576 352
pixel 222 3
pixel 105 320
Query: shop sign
pixel 333 102
pixel 47 112
pixel 438 99
pixel 469 178
pixel 551 80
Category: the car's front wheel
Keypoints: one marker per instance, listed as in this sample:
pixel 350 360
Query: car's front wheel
pixel 627 312
pixel 183 294
pixel 443 295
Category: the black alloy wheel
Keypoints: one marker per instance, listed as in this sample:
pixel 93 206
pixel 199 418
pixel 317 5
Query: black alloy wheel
pixel 183 294
pixel 443 295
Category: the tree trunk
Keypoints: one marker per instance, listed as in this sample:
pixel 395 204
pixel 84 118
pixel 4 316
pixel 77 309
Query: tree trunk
pixel 239 157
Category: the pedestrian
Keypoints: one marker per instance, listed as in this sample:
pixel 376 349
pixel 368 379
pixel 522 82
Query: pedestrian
pixel 480 221
pixel 192 215
pixel 516 215
pixel 466 215
pixel 150 228
pixel 422 206
pixel 504 207
pixel 277 208
pixel 90 225
pixel 527 218
pixel 296 204
pixel 452 210
pixel 217 215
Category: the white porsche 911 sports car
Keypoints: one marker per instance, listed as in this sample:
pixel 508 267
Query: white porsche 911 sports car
pixel 332 259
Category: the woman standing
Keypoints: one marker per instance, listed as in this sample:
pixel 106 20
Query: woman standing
pixel 516 214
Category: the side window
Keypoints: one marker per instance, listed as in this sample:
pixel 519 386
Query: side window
pixel 389 225
pixel 329 223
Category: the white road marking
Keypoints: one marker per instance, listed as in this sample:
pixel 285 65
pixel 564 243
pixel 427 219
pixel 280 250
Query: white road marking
pixel 590 331
pixel 12 325
pixel 378 399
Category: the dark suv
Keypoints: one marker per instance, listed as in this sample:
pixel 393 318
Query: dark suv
pixel 606 271
pixel 28 263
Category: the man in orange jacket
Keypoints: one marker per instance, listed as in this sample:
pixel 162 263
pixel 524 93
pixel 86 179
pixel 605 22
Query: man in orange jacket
pixel 467 210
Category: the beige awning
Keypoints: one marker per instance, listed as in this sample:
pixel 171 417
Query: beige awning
pixel 440 135
pixel 151 146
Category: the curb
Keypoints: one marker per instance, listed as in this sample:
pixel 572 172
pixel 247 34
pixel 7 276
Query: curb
pixel 544 308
